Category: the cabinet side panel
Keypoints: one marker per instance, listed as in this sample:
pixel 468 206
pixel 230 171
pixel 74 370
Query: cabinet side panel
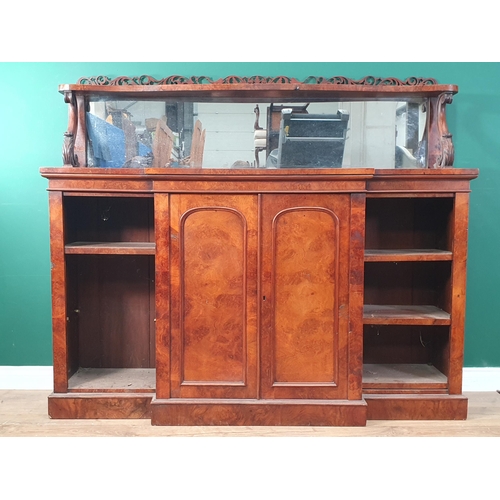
pixel 59 335
pixel 162 278
pixel 460 226
pixel 356 297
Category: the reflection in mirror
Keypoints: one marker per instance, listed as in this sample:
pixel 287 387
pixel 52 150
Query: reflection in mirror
pixel 357 134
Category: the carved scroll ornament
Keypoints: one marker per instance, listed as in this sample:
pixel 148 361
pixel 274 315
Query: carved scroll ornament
pixel 310 80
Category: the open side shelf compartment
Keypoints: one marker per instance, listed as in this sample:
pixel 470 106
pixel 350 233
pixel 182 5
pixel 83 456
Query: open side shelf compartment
pixel 409 228
pixel 405 357
pixel 407 295
pixel 111 322
pixel 109 225
pixel 110 275
pixel 113 380
pixel 411 291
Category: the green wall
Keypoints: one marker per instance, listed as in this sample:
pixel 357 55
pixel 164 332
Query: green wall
pixel 33 119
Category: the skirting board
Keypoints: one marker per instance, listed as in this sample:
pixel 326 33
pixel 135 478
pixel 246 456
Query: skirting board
pixel 41 378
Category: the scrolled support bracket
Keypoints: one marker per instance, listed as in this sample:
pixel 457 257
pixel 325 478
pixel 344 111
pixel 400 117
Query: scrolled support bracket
pixel 446 150
pixel 68 152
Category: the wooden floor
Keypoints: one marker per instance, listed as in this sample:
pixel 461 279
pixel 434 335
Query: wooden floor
pixel 24 413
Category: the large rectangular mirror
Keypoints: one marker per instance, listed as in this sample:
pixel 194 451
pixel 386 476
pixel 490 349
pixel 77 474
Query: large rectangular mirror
pixel 223 135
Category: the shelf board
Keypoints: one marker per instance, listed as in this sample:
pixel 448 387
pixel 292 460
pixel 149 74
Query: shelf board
pixel 314 139
pixel 407 255
pixel 110 248
pixel 113 380
pixel 404 315
pixel 403 375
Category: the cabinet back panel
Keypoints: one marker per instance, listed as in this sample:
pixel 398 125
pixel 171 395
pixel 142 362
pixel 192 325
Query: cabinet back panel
pixel 405 344
pixel 407 283
pixel 115 317
pixel 403 223
pixel 72 313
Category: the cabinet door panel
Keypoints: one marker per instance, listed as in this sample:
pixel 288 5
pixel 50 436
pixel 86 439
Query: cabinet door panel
pixel 213 270
pixel 305 240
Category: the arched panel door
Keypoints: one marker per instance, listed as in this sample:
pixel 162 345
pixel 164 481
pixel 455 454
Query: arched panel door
pixel 213 293
pixel 304 303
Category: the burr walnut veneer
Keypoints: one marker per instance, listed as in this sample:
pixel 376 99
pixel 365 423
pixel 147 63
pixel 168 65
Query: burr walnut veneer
pixel 258 296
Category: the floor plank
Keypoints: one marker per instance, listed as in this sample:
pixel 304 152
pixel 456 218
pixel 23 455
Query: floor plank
pixel 24 413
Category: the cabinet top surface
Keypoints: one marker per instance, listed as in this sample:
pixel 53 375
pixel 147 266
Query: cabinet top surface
pixel 250 174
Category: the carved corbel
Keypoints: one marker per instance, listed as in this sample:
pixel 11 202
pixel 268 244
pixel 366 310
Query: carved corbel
pixel 446 150
pixel 68 153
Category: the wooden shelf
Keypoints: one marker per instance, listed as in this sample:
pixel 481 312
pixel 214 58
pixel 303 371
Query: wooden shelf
pixel 113 380
pixel 110 248
pixel 402 375
pixel 407 255
pixel 404 315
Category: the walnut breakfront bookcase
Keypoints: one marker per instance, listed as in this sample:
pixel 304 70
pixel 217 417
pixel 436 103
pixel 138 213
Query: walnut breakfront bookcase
pixel 258 251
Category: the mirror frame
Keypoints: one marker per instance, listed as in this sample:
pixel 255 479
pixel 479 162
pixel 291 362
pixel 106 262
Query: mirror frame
pixel 440 149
